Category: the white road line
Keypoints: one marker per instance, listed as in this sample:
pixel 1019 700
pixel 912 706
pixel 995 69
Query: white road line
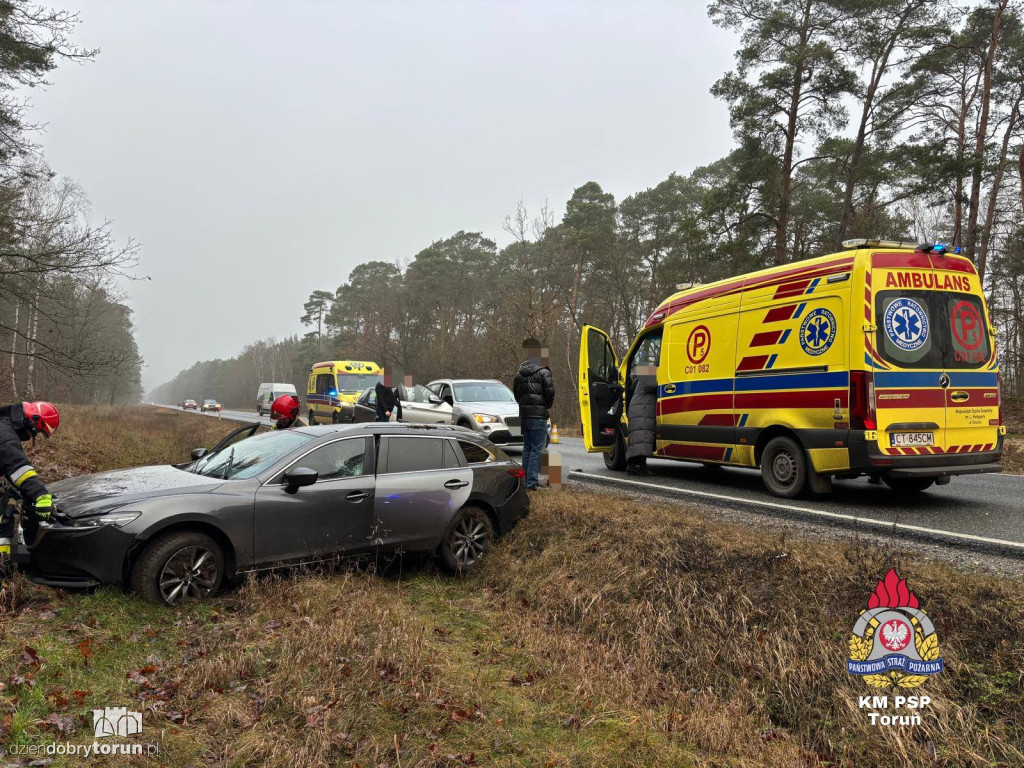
pixel 870 521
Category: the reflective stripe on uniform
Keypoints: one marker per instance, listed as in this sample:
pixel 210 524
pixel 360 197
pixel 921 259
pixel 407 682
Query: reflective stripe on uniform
pixel 22 475
pixel 5 549
pixel 45 501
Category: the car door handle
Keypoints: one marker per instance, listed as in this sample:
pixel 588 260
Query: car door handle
pixel 357 495
pixel 453 484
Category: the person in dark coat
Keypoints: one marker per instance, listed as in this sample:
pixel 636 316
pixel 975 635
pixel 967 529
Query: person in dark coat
pixel 387 399
pixel 534 390
pixel 643 419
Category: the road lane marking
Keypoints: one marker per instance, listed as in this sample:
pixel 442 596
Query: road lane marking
pixel 869 521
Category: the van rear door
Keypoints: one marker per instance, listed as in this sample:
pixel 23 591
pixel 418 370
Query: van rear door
pixel 600 390
pixel 972 397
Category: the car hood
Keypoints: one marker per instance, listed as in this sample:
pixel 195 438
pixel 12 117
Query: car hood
pixel 101 492
pixel 496 409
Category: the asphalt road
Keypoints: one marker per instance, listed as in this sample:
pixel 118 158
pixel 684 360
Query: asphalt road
pixel 983 512
pixel 978 511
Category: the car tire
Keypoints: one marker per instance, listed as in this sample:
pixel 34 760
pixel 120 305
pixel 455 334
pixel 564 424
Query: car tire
pixel 615 459
pixel 259 410
pixel 908 485
pixel 178 566
pixel 467 540
pixel 784 467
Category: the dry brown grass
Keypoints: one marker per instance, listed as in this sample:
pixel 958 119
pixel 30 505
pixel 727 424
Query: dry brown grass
pixel 727 637
pixel 1013 455
pixel 1012 411
pixel 98 438
pixel 601 632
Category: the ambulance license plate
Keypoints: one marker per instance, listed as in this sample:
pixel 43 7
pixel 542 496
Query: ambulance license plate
pixel 913 438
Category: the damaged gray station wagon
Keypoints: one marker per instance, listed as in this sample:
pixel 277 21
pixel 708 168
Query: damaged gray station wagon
pixel 281 497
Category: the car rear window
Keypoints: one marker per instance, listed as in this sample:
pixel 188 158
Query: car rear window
pixel 414 454
pixel 451 458
pixel 475 453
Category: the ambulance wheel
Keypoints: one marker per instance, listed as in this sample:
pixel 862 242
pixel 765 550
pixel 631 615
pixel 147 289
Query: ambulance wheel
pixel 784 467
pixel 312 418
pixel 908 484
pixel 615 459
pixel 334 417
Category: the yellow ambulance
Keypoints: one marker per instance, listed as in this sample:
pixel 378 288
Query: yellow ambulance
pixel 879 360
pixel 334 386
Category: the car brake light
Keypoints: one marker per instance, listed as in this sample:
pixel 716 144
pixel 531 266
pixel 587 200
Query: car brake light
pixel 862 400
pixel 517 472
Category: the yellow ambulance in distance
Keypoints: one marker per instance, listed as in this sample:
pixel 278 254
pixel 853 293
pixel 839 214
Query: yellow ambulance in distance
pixel 879 360
pixel 334 386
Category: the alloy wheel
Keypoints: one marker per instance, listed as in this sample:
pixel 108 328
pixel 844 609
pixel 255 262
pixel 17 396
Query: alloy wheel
pixel 189 572
pixel 469 541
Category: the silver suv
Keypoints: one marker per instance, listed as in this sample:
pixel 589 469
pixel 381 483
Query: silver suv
pixel 483 405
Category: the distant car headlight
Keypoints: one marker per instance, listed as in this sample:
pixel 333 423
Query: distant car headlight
pixel 116 519
pixel 485 418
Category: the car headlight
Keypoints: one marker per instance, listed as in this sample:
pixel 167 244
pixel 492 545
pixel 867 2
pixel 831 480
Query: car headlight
pixel 116 519
pixel 485 418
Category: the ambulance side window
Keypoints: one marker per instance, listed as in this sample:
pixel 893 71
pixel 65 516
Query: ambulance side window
pixel 324 383
pixel 647 353
pixel 601 360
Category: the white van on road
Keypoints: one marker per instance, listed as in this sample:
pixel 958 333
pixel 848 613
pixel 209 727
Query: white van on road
pixel 269 392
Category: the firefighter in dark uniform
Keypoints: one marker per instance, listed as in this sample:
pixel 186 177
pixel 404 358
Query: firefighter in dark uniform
pixel 285 413
pixel 19 423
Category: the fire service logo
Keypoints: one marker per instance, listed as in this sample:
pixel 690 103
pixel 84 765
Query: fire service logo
pixel 894 642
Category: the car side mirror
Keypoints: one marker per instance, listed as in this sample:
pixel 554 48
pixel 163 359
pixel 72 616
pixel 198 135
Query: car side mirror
pixel 298 477
pixel 198 453
pixel 435 400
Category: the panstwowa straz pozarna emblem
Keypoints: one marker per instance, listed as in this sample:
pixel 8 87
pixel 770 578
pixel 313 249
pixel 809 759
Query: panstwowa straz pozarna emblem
pixel 894 642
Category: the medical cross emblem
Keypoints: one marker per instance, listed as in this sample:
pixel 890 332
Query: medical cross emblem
pixel 818 331
pixel 906 324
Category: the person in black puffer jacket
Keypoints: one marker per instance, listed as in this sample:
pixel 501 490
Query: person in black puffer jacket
pixel 534 390
pixel 642 413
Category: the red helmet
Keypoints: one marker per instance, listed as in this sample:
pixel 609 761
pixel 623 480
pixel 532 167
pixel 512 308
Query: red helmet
pixel 44 416
pixel 285 407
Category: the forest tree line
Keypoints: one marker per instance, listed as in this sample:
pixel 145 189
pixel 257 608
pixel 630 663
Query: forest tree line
pixel 896 119
pixel 66 333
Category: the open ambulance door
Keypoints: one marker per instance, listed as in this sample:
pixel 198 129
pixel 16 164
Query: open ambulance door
pixel 600 390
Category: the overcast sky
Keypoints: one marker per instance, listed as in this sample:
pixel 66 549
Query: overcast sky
pixel 259 151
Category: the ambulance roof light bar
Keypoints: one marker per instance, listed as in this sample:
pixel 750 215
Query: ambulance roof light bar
pixel 870 243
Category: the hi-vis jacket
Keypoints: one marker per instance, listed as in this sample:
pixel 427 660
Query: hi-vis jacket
pixel 14 464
